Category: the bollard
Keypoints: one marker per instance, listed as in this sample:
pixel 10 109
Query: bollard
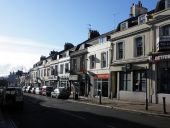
pixel 164 105
pixel 100 98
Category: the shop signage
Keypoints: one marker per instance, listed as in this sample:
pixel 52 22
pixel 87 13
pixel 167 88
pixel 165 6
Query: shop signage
pixel 102 76
pixel 162 57
pixel 73 77
pixel 52 77
pixel 163 43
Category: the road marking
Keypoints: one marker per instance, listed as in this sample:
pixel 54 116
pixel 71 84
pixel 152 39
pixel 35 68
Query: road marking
pixel 12 124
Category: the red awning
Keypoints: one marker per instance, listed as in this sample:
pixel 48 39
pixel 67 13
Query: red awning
pixel 101 76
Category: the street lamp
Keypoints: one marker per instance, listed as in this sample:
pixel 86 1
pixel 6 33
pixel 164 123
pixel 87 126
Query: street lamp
pixel 146 100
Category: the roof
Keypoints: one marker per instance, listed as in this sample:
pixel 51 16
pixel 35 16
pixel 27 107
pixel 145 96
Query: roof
pixel 132 21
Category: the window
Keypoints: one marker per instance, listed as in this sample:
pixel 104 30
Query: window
pixel 82 63
pixel 92 61
pixel 165 30
pixel 142 19
pixel 66 67
pixel 164 80
pixel 74 64
pixel 52 70
pixel 120 50
pixel 104 59
pixel 44 72
pixel 124 26
pixel 48 72
pixel 139 46
pixel 139 81
pixel 125 81
pixel 102 39
pixel 56 70
pixel 61 68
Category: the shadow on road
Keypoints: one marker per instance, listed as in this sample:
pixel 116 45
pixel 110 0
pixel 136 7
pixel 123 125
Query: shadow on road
pixel 34 115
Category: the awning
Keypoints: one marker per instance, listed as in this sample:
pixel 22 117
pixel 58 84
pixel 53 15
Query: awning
pixel 101 76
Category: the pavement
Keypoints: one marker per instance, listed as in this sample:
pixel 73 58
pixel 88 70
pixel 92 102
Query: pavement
pixel 140 107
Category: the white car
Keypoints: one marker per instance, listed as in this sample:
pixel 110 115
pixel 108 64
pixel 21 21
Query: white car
pixel 37 90
pixel 32 90
pixel 60 92
pixel 27 89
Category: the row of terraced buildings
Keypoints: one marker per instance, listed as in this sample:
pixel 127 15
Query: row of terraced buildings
pixel 131 62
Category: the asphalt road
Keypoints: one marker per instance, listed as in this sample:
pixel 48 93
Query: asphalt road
pixel 46 112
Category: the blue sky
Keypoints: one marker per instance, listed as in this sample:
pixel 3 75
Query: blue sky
pixel 44 25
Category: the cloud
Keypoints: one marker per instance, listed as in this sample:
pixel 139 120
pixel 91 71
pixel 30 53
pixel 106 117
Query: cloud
pixel 19 52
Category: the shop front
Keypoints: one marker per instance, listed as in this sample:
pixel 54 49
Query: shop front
pixel 132 82
pixel 162 65
pixel 64 81
pixel 54 80
pixel 101 85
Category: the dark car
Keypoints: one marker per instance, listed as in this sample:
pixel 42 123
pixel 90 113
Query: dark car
pixel 49 89
pixel 1 96
pixel 60 93
pixel 14 96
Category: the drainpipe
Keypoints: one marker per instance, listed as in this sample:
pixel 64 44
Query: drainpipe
pixel 110 73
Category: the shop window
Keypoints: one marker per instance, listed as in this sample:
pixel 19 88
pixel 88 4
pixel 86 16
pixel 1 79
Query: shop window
pixel 139 81
pixel 125 81
pixel 139 46
pixel 165 80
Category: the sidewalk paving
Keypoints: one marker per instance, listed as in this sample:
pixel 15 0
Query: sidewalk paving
pixel 153 109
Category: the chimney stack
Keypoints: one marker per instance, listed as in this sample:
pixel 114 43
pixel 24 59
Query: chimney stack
pixel 137 9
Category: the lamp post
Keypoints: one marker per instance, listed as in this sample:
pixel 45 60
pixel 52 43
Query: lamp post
pixel 146 100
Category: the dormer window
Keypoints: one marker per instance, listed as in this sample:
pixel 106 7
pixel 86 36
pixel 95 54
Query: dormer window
pixel 102 39
pixel 142 19
pixel 82 46
pixel 124 26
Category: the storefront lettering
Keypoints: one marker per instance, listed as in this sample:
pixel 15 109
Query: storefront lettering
pixel 162 57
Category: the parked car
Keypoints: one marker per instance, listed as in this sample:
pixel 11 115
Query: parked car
pixel 14 96
pixel 38 90
pixel 43 90
pixel 33 90
pixel 60 92
pixel 27 89
pixel 24 88
pixel 49 89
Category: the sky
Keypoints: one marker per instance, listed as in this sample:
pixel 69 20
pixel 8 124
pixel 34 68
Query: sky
pixel 31 28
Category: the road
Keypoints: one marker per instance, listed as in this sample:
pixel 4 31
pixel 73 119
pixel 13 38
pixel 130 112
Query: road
pixel 45 112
